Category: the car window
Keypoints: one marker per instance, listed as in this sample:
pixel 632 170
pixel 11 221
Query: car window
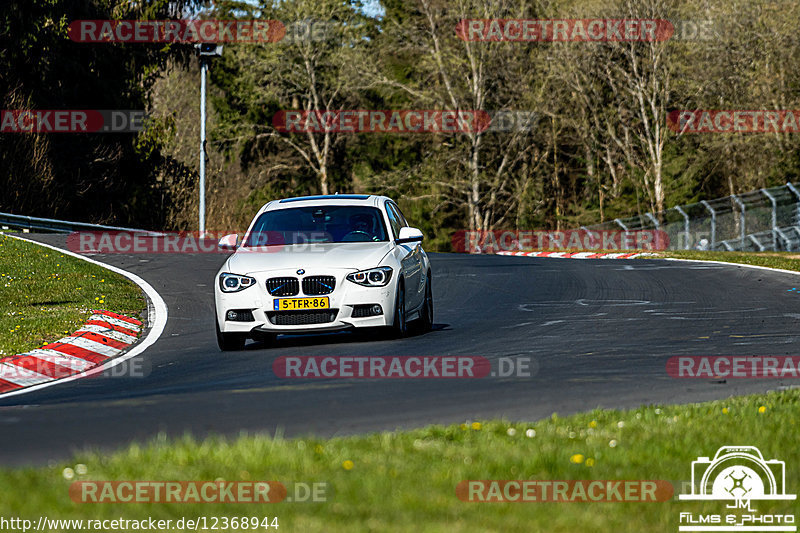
pixel 400 215
pixel 394 219
pixel 315 224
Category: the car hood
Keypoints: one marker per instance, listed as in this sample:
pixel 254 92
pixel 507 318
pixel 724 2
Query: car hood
pixel 349 255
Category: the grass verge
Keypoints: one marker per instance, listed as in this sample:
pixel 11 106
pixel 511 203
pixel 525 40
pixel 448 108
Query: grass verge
pixel 782 260
pixel 45 294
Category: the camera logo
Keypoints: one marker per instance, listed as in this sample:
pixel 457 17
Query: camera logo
pixel 738 473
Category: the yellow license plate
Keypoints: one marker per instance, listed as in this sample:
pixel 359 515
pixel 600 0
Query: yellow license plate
pixel 299 304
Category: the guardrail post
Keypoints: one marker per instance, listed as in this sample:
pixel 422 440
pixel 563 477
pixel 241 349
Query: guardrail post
pixel 761 247
pixel 202 209
pixel 685 225
pixel 774 219
pixel 741 217
pixel 713 223
pixel 796 193
pixel 786 240
pixel 653 220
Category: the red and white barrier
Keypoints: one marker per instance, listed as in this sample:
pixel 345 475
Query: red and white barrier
pixel 581 255
pixel 104 336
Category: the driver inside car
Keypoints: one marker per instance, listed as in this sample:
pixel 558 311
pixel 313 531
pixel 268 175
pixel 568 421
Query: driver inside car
pixel 361 227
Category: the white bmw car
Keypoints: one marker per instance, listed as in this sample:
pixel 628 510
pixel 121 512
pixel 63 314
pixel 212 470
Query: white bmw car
pixel 323 263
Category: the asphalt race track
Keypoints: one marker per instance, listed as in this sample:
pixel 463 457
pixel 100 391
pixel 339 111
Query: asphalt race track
pixel 599 331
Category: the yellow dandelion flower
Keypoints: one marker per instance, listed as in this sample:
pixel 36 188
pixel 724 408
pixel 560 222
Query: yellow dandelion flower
pixel 476 425
pixel 724 410
pixel 593 424
pixel 576 459
pixel 589 462
pixel 762 409
pixel 348 465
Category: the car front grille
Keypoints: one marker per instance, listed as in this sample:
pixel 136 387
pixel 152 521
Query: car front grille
pixel 317 285
pixel 302 318
pixel 283 286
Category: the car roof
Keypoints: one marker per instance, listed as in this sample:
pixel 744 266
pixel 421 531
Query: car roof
pixel 327 199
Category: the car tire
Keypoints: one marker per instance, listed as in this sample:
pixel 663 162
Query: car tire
pixel 426 314
pixel 399 324
pixel 229 342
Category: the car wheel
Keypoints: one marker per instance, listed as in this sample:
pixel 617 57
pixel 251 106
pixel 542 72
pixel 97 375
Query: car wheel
pixel 426 315
pixel 228 342
pixel 400 326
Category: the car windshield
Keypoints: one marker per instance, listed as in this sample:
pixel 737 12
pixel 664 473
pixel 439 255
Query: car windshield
pixel 335 223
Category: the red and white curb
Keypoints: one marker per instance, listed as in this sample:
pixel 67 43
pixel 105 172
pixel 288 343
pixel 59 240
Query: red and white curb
pixel 105 335
pixel 581 255
pixel 111 346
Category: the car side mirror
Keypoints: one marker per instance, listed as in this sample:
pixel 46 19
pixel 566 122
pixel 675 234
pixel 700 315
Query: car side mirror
pixel 409 235
pixel 229 242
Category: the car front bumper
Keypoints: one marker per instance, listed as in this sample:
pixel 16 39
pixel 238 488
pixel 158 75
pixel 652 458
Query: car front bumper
pixel 345 296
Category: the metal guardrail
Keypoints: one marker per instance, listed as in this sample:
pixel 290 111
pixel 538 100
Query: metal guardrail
pixel 765 219
pixel 60 226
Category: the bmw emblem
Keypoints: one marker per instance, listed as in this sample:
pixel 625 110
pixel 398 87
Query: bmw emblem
pixel 301 272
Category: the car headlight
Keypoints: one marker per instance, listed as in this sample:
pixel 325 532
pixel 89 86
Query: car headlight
pixel 374 277
pixel 234 282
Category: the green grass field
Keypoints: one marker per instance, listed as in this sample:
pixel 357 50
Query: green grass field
pixel 45 294
pixel 406 480
pixel 782 260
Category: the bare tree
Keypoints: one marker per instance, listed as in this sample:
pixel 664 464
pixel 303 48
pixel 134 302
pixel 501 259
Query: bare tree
pixel 458 74
pixel 308 70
